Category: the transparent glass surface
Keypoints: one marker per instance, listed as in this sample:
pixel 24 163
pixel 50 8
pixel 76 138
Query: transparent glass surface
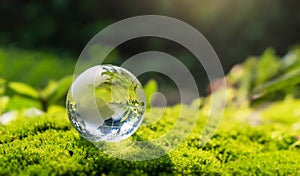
pixel 106 103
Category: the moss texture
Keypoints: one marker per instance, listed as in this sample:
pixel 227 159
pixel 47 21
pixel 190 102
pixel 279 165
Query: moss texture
pixel 48 145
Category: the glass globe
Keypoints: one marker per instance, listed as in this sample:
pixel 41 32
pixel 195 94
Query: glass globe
pixel 106 103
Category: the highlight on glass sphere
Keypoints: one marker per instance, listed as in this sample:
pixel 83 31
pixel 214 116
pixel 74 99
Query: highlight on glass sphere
pixel 106 103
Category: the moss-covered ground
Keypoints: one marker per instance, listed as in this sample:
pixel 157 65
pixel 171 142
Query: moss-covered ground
pixel 49 145
pixel 259 133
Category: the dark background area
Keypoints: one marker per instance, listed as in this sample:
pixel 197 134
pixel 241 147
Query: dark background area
pixel 236 29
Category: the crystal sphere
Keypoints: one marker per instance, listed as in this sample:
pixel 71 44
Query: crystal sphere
pixel 106 103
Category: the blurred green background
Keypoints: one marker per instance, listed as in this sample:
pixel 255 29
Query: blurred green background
pixel 57 31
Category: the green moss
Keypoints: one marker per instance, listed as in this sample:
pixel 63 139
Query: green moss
pixel 266 163
pixel 49 145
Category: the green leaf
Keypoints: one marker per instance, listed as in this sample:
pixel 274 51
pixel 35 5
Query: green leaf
pixel 2 86
pixel 20 102
pixel 49 90
pixel 267 67
pixel 150 88
pixel 291 61
pixel 24 89
pixel 245 81
pixel 3 103
pixel 61 90
pixel 279 83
